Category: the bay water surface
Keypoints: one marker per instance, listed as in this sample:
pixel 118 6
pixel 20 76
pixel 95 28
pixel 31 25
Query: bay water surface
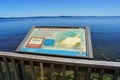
pixel 105 32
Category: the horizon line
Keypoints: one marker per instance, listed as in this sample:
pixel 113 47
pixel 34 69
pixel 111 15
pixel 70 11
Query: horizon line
pixel 53 16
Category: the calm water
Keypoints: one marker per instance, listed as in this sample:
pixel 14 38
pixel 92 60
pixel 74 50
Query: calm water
pixel 105 32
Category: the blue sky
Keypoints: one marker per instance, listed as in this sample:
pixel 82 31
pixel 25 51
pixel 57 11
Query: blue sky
pixel 26 8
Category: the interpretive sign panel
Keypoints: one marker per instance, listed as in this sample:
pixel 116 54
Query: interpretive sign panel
pixel 60 41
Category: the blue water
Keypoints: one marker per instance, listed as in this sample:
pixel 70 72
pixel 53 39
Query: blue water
pixel 105 32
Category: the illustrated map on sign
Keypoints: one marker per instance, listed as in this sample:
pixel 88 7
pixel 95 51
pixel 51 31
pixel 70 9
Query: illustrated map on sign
pixel 56 41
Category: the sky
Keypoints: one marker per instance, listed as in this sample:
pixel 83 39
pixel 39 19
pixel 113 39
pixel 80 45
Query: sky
pixel 27 8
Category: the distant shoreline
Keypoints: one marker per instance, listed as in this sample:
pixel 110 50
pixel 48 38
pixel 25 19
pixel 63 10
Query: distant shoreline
pixel 59 17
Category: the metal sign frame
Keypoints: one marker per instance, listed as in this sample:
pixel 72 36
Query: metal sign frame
pixel 87 37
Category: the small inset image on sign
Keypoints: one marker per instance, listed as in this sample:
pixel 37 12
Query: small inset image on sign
pixel 49 42
pixel 35 42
